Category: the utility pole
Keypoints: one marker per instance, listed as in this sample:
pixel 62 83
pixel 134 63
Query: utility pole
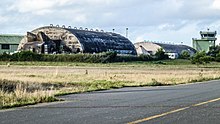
pixel 127 32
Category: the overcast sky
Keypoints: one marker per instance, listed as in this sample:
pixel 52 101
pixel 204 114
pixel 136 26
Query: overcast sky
pixel 170 21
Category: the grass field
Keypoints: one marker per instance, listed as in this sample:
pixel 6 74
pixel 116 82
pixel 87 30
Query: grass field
pixel 34 82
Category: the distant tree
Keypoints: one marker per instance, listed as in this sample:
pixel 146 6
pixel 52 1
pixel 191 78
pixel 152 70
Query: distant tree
pixel 214 50
pixel 143 57
pixel 201 58
pixel 109 57
pixel 160 54
pixel 5 56
pixel 217 58
pixel 207 59
pixel 184 55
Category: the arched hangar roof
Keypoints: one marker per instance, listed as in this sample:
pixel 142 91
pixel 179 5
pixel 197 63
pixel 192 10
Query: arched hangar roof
pixel 99 41
pixel 102 41
pixel 168 48
pixel 176 48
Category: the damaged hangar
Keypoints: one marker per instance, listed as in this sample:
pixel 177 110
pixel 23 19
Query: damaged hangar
pixel 56 40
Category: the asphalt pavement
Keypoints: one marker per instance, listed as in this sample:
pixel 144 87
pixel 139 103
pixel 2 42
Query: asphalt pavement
pixel 197 103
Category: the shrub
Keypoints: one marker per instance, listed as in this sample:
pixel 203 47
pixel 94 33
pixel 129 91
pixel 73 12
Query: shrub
pixel 5 57
pixel 207 59
pixel 217 57
pixel 201 58
pixel 160 54
pixel 87 58
pixel 184 55
pixel 108 57
pixel 26 56
pixel 214 51
pixel 143 57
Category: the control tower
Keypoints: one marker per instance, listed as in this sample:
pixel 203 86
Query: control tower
pixel 207 40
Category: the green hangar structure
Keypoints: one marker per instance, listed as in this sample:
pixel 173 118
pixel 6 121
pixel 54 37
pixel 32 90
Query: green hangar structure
pixel 9 43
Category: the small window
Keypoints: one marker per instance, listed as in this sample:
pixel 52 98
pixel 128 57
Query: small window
pixel 6 46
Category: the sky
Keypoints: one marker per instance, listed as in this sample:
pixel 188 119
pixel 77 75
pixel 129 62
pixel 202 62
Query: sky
pixel 165 21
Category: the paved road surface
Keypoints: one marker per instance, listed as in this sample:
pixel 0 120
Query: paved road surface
pixel 184 104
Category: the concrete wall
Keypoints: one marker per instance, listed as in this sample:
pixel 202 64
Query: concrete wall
pixel 202 45
pixel 12 48
pixel 146 47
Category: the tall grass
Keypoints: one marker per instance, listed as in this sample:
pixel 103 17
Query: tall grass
pixel 18 94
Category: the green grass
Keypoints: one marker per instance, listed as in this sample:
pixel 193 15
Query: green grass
pixel 34 63
pixel 29 101
pixel 178 62
pixel 100 85
pixel 47 63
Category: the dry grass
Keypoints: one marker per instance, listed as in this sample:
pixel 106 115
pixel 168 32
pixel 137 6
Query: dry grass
pixel 20 96
pixel 88 74
pixel 71 79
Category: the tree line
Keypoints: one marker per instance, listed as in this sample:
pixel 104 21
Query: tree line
pixel 108 57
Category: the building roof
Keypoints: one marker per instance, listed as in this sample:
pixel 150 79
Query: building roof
pixel 171 48
pixel 168 48
pixel 10 39
pixel 205 39
pixel 208 32
pixel 102 41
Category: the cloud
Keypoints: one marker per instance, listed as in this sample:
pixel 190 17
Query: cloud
pixel 166 26
pixel 24 6
pixel 216 4
pixel 39 7
pixel 3 19
pixel 157 20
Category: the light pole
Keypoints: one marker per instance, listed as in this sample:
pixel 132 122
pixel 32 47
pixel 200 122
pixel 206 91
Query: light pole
pixel 127 32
